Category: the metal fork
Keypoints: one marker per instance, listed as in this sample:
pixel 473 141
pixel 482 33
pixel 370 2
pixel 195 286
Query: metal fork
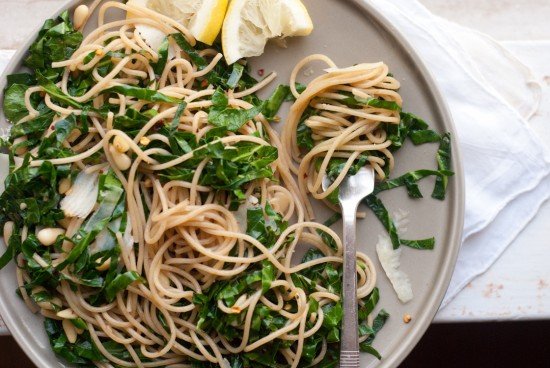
pixel 352 190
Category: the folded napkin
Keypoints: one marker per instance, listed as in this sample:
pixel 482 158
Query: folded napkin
pixel 491 94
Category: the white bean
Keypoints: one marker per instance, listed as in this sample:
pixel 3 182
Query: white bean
pixel 8 230
pixel 49 235
pixel 70 330
pixel 67 314
pixel 64 185
pixel 80 15
pixel 122 160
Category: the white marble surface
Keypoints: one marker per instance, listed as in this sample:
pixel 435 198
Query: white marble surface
pixel 518 285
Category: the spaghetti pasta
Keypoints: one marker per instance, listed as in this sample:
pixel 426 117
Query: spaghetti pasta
pixel 188 255
pixel 344 113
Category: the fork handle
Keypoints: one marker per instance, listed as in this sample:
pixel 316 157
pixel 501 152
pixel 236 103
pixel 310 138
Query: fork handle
pixel 349 359
pixel 349 345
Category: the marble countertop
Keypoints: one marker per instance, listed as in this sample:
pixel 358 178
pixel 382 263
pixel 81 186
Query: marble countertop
pixel 517 286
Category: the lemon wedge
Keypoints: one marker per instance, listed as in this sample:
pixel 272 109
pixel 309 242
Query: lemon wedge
pixel 249 24
pixel 203 18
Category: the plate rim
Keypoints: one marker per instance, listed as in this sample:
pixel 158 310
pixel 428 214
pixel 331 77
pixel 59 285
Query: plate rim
pixel 440 106
pixel 455 232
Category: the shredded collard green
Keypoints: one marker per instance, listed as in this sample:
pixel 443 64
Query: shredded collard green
pixel 31 199
pixel 418 131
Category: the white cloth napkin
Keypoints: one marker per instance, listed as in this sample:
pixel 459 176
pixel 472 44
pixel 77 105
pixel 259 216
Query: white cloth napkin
pixel 491 94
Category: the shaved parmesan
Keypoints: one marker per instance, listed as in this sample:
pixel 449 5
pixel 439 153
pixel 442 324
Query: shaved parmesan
pixel 389 258
pixel 241 215
pixel 401 220
pixel 153 36
pixel 127 237
pixel 105 240
pixel 81 198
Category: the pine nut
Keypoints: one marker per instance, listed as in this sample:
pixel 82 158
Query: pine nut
pixel 236 309
pixel 67 314
pixel 70 330
pixel 80 15
pixel 8 230
pixel 49 235
pixel 64 185
pixel 144 141
pixel 23 206
pixel 37 289
pixel 103 266
pixel 51 304
pixel 120 144
pixel 55 300
pixel 407 318
pixel 21 150
pixel 45 305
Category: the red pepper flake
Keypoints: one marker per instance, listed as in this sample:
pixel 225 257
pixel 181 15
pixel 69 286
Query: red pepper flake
pixel 261 72
pixel 204 83
pixel 52 127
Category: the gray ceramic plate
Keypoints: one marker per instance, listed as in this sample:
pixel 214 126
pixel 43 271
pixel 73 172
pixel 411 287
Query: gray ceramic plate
pixel 349 32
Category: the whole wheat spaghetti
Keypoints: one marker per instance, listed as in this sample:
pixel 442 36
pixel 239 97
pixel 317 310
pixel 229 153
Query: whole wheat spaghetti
pixel 187 255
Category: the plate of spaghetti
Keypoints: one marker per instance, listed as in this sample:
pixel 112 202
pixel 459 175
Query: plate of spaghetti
pixel 162 205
